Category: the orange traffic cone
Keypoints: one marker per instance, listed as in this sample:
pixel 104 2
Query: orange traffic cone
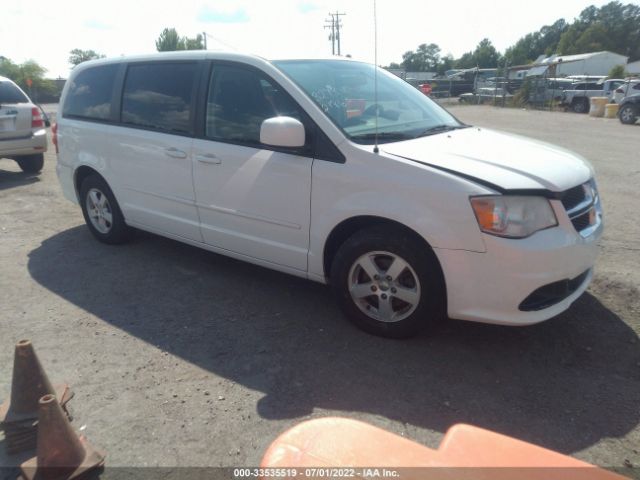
pixel 61 453
pixel 29 383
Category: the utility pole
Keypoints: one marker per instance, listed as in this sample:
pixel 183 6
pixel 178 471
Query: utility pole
pixel 332 35
pixel 204 35
pixel 338 25
pixel 335 24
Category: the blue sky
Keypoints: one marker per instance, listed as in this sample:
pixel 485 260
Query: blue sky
pixel 208 14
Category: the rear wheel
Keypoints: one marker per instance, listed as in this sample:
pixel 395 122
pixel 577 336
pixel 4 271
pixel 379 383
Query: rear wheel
pixel 580 105
pixel 102 212
pixel 628 115
pixel 31 163
pixel 388 282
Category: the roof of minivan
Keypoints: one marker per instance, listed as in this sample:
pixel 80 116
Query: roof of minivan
pixel 200 55
pixel 195 55
pixel 181 55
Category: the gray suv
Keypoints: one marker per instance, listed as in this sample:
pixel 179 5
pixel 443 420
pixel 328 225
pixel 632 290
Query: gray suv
pixel 23 136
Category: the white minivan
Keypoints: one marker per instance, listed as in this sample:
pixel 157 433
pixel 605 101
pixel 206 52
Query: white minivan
pixel 330 171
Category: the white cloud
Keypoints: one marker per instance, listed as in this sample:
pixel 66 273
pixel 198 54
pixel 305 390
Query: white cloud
pixel 274 28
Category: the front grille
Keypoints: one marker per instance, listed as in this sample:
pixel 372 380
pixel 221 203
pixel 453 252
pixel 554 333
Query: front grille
pixel 582 221
pixel 552 293
pixel 581 204
pixel 573 197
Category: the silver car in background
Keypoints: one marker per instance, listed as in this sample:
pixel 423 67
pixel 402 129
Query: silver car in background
pixel 23 136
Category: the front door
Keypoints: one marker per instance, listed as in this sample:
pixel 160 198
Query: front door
pixel 252 199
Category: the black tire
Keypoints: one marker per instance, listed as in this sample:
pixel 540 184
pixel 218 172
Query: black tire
pixel 580 105
pixel 31 163
pixel 375 241
pixel 116 230
pixel 628 115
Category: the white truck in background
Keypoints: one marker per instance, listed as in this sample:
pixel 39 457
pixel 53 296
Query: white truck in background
pixel 578 97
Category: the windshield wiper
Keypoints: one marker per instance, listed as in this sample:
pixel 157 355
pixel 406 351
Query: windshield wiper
pixel 440 129
pixel 382 136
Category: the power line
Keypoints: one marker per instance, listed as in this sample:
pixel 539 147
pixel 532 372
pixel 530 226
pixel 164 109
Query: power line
pixel 231 47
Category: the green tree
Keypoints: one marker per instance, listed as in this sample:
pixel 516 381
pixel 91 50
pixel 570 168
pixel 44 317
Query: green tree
pixel 525 50
pixel 549 38
pixel 614 27
pixel 170 41
pixel 29 70
pixel 466 61
pixel 566 45
pixel 194 43
pixel 426 58
pixel 446 63
pixel 594 39
pixel 618 72
pixel 486 55
pixel 77 56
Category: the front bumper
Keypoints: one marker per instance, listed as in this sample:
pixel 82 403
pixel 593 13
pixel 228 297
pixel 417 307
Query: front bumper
pixel 29 145
pixel 491 287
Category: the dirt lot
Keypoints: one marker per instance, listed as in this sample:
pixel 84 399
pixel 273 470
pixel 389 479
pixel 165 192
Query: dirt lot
pixel 180 357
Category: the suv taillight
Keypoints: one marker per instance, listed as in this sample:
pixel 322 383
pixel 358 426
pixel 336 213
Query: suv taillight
pixel 54 136
pixel 36 118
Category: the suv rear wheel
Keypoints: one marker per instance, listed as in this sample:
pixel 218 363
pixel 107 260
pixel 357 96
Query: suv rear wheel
pixel 388 282
pixel 31 163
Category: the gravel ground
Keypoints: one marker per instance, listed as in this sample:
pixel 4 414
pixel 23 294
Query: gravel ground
pixel 180 357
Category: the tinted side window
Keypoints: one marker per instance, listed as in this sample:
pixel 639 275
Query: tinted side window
pixel 89 95
pixel 240 100
pixel 159 96
pixel 9 93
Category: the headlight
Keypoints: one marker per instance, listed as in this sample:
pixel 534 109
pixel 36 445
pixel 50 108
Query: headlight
pixel 513 216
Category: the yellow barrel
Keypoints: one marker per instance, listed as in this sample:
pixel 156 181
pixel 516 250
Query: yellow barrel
pixel 597 106
pixel 611 110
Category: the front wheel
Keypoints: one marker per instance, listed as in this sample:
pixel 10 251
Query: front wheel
pixel 101 211
pixel 31 163
pixel 628 115
pixel 388 282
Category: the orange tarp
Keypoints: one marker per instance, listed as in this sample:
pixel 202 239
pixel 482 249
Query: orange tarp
pixel 466 452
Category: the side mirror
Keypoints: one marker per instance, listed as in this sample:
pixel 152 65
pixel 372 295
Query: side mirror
pixel 282 132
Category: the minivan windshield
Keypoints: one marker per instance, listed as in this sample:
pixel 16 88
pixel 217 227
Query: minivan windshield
pixel 345 91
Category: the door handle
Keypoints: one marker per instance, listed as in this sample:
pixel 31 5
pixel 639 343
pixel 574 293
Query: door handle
pixel 208 158
pixel 175 153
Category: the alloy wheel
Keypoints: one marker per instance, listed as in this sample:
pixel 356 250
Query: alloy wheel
pixel 99 211
pixel 384 286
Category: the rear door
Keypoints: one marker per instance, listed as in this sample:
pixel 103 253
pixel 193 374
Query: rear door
pixel 150 153
pixel 252 199
pixel 15 112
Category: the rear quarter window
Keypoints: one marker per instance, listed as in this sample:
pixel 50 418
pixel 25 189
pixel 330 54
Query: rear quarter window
pixel 9 93
pixel 90 93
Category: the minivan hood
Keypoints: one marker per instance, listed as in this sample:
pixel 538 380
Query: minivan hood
pixel 500 160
